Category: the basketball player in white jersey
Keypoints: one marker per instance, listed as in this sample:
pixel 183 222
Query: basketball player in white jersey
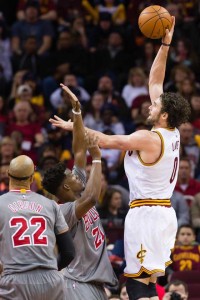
pixel 30 226
pixel 151 165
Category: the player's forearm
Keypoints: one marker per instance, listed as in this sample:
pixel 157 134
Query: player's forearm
pixel 105 141
pixel 157 72
pixel 66 249
pixel 93 187
pixel 91 192
pixel 78 134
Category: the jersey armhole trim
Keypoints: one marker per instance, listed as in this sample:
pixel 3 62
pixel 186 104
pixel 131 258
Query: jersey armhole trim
pixel 161 153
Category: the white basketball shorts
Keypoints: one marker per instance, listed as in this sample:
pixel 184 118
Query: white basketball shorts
pixel 149 236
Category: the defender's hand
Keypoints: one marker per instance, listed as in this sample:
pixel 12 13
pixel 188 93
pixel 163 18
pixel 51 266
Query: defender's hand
pixel 73 99
pixel 92 145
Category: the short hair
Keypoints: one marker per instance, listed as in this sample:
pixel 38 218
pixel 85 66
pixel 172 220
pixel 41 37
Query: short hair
pixel 177 107
pixel 53 178
pixel 185 226
pixel 177 283
pixel 185 158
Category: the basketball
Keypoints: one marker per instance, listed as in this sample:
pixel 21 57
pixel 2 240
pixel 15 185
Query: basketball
pixel 153 21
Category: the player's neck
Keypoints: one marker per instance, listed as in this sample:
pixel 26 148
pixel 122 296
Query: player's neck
pixel 19 187
pixel 161 124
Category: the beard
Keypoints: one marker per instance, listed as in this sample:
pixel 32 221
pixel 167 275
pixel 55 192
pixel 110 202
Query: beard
pixel 149 121
pixel 153 120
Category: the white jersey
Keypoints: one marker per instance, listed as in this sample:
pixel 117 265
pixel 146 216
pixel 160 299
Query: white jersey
pixel 154 180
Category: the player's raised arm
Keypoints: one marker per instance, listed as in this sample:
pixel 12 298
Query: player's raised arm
pixel 157 72
pixel 78 142
pixel 93 187
pixel 135 141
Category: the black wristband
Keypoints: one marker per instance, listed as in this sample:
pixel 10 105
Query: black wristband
pixel 164 44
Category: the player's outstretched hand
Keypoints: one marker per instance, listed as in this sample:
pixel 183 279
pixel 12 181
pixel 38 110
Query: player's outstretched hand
pixel 60 123
pixel 72 97
pixel 169 33
pixel 92 145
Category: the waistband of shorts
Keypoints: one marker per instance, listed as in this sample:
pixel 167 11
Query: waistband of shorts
pixel 150 202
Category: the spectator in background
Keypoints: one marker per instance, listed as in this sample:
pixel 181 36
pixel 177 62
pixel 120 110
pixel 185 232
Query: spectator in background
pixel 142 111
pixel 5 53
pixel 67 11
pixel 68 52
pixel 105 185
pixel 116 256
pixel 32 25
pixel 178 74
pixel 187 88
pixel 98 38
pixel 113 59
pixel 57 140
pixel 33 81
pixel 189 9
pixel 190 144
pixel 110 120
pixel 186 253
pixel 111 213
pixel 28 59
pixel 4 179
pixel 184 29
pixel 48 150
pixel 44 164
pixel 183 54
pixel 78 31
pixel 106 87
pixel 70 80
pixel 186 184
pixel 8 150
pixel 32 137
pixel 137 85
pixel 195 215
pixel 3 115
pixel 179 287
pixel 47 9
pixel 92 118
pixel 137 103
pixel 17 81
pixel 25 93
pixel 113 159
pixel 51 82
pixel 181 208
pixel 195 111
pixel 117 11
pixel 144 60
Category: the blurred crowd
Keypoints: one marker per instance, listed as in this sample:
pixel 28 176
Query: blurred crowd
pixel 96 48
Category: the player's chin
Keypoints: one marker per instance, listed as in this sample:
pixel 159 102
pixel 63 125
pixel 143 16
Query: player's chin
pixel 149 120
